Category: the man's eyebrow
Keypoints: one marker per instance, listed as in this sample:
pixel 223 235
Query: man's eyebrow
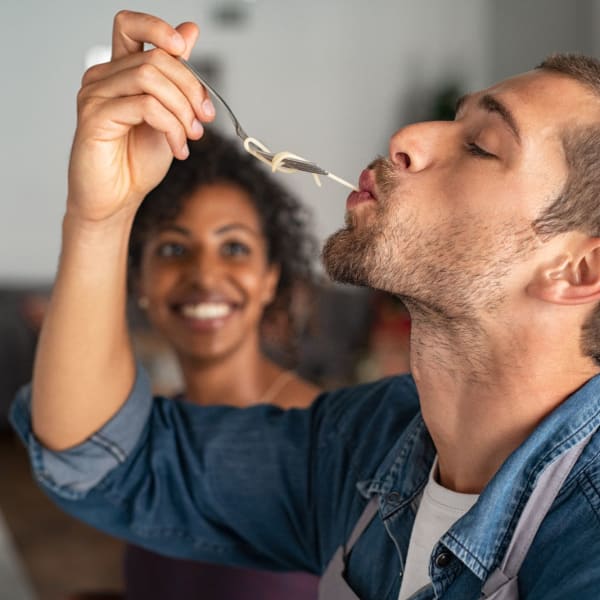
pixel 493 105
pixel 461 101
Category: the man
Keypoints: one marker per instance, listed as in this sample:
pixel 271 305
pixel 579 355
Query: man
pixel 485 226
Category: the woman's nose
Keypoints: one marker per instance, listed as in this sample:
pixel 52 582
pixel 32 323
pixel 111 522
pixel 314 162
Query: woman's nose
pixel 203 268
pixel 416 147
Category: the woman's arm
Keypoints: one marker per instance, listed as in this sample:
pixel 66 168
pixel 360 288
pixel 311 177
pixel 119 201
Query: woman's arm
pixel 135 114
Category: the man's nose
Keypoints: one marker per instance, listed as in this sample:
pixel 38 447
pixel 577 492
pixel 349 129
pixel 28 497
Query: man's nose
pixel 418 146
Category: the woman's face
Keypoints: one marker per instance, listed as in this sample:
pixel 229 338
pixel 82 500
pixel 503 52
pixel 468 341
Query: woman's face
pixel 206 275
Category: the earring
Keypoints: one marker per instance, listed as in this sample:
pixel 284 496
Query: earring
pixel 143 302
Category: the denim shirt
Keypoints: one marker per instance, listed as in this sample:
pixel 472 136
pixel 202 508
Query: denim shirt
pixel 274 489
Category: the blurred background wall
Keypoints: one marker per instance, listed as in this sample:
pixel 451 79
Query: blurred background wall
pixel 327 79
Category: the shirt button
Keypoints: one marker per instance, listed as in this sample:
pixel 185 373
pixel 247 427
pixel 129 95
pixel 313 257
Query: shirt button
pixel 443 559
pixel 394 497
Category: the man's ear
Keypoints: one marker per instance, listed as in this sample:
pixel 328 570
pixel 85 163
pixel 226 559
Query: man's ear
pixel 571 278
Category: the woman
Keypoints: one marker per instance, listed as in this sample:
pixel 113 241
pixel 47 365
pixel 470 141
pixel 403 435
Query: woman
pixel 216 251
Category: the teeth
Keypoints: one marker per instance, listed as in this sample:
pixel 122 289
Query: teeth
pixel 206 310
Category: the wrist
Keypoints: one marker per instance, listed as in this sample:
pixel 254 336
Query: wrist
pixel 112 227
pixel 95 248
pixel 101 212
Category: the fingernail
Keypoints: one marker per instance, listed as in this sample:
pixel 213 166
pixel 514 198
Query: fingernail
pixel 207 108
pixel 185 151
pixel 197 128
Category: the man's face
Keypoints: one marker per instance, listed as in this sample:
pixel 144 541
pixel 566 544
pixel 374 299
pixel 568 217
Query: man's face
pixel 446 221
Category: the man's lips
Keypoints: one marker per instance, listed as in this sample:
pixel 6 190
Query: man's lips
pixel 366 182
pixel 366 190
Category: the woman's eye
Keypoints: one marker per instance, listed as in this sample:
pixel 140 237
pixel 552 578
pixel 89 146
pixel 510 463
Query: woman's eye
pixel 476 150
pixel 170 249
pixel 235 249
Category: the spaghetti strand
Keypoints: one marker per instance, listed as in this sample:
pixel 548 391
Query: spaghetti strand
pixel 276 163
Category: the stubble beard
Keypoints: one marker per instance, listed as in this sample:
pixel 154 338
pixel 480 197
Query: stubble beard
pixel 444 272
pixel 351 254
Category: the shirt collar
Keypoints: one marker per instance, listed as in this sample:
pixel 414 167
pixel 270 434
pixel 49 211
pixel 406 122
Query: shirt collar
pixel 403 474
pixel 478 541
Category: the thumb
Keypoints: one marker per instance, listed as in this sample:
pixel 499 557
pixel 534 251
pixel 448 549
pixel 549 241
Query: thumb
pixel 189 32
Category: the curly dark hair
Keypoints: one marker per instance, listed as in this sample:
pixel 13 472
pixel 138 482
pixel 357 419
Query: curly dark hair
pixel 216 159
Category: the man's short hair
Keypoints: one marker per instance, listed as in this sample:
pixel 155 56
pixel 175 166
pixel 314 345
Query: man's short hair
pixel 578 205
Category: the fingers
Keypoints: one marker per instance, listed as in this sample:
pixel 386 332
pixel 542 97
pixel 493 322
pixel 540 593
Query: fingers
pixel 147 79
pixel 153 86
pixel 111 119
pixel 189 32
pixel 146 65
pixel 150 87
pixel 132 29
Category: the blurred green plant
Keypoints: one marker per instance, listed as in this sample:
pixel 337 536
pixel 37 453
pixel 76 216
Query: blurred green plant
pixel 444 102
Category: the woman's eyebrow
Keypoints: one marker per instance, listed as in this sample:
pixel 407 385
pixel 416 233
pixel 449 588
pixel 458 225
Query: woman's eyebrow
pixel 232 226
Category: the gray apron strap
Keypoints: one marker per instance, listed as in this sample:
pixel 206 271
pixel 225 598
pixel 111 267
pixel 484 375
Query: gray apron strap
pixel 502 583
pixel 362 523
pixel 332 585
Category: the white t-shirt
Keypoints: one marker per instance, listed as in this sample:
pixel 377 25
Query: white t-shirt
pixel 438 510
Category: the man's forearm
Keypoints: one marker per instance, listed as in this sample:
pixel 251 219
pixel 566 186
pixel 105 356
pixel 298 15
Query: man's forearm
pixel 129 128
pixel 84 366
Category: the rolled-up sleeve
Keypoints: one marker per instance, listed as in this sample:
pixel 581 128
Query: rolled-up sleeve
pixel 257 487
pixel 72 473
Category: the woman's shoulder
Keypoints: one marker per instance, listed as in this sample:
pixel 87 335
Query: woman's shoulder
pixel 297 392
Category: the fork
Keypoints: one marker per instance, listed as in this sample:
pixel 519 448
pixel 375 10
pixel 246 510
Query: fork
pixel 295 163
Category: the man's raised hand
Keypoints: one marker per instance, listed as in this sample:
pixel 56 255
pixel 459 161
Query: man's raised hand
pixel 135 113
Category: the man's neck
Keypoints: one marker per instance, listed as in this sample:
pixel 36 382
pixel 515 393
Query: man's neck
pixel 482 395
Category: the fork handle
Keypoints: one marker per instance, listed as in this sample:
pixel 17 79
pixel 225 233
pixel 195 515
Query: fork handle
pixel 238 128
